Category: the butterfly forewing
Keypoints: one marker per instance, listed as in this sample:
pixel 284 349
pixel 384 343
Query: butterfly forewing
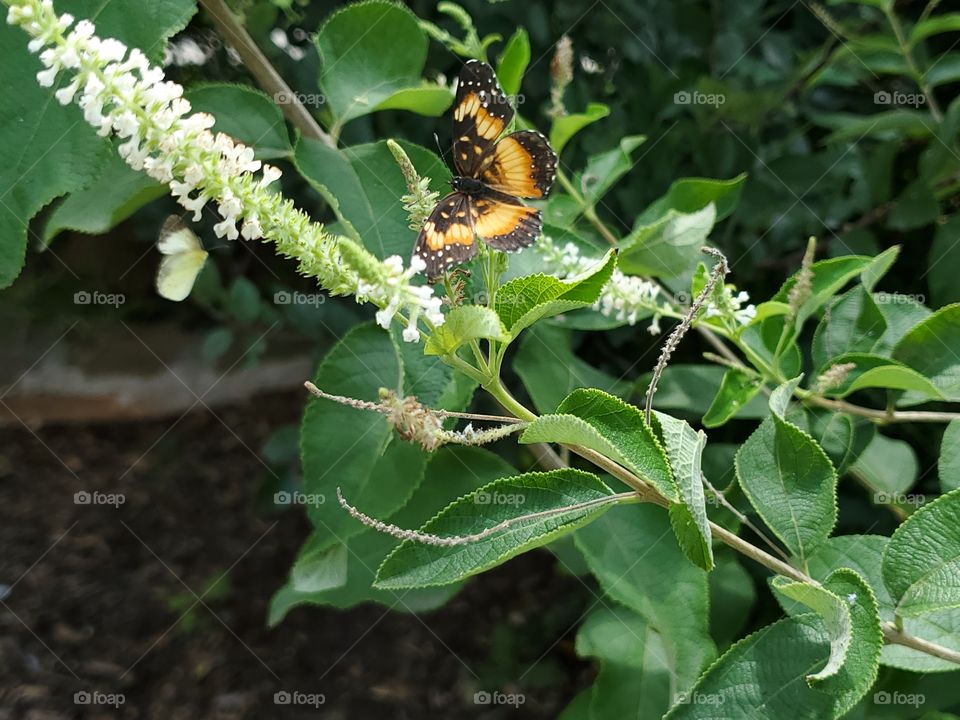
pixel 481 113
pixel 521 164
pixel 447 236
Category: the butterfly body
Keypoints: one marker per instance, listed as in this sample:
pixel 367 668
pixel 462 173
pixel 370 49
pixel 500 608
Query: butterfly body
pixel 491 175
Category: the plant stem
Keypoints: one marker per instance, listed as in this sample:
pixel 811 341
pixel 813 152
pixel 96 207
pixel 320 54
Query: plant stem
pixel 233 31
pixel 911 63
pixel 588 210
pixel 881 417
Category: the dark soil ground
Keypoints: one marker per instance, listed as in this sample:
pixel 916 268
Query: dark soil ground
pixel 100 599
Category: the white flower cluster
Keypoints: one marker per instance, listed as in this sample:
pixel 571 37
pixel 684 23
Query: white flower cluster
pixel 626 298
pixel 120 93
pixel 731 305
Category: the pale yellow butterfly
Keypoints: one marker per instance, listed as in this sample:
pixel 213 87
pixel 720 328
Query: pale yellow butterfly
pixel 183 261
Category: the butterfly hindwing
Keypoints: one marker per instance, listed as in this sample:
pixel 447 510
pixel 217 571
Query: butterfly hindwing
pixel 183 259
pixel 521 164
pixel 481 113
pixel 447 235
pixel 505 223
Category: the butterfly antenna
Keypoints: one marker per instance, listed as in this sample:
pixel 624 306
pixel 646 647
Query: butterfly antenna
pixel 443 155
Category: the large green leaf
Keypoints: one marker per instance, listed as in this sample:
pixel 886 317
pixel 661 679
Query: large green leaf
pixel 851 323
pixel 366 185
pixel 524 300
pixel 932 348
pixel 603 170
pixel 416 564
pixel 372 56
pixel 848 608
pixel 889 466
pixel 550 371
pixel 736 389
pixel 789 479
pixel 921 563
pixel 684 447
pixel 688 195
pixel 876 371
pixel 513 62
pixel 636 559
pixel 51 150
pixel 668 245
pixel 463 324
pixel 246 114
pixel 602 422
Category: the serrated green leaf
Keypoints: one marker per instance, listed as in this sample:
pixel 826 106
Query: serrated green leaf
pixel 851 323
pixel 789 479
pixel 932 348
pixel 513 61
pixel 564 128
pixel 921 563
pixel 524 300
pixel 668 245
pixel 414 564
pixel 633 554
pixel 246 114
pixel 736 389
pixel 616 429
pixel 684 447
pixel 463 324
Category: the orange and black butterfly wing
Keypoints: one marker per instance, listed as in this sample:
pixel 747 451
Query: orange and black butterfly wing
pixel 505 223
pixel 447 235
pixel 521 164
pixel 481 113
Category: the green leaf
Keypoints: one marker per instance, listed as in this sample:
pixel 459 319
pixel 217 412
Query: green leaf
pixel 415 564
pixel 762 676
pixel 513 62
pixel 736 389
pixel 943 261
pixel 900 123
pixel 947 22
pixel 864 553
pixel 524 300
pixel 116 193
pixel 917 206
pixel 244 300
pixel 668 245
pixel 684 448
pixel 636 559
pixel 932 348
pixel 851 323
pixel 354 449
pixel 843 437
pixel 430 100
pixel 789 479
pixel 688 390
pixel 878 371
pixel 635 673
pixel 921 563
pixel 732 597
pixel 604 170
pixel 564 128
pixel 616 429
pixel 948 464
pixel 550 371
pixel 464 324
pixel 848 608
pixel 901 316
pixel 450 473
pixel 688 195
pixel 246 114
pixel 365 184
pixel 371 55
pixel 51 150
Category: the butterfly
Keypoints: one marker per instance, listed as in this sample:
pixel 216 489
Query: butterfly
pixel 183 260
pixel 490 177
